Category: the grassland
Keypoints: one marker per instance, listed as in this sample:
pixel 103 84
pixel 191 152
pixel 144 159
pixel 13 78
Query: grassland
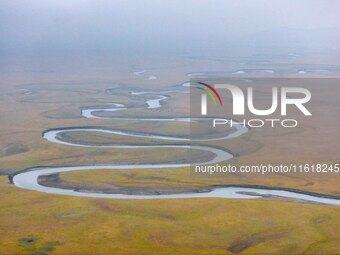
pixel 37 223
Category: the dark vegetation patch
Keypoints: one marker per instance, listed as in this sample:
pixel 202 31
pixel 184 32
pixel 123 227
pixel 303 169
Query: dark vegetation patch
pixel 54 180
pixel 243 243
pixel 32 246
pixel 12 149
pixel 27 240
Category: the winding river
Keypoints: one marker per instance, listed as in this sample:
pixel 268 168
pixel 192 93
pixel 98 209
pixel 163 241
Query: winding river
pixel 29 179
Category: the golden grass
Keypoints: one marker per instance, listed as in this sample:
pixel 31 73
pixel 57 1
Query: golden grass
pixel 38 223
pixel 71 225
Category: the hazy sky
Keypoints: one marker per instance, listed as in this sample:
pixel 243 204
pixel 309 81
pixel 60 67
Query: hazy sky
pixel 137 25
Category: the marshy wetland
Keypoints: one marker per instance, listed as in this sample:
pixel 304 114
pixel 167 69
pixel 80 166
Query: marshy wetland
pixel 107 132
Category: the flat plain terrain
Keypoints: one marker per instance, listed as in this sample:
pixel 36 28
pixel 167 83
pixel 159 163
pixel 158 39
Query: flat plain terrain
pixel 38 223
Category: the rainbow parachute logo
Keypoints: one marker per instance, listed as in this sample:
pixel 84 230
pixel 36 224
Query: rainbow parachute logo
pixel 211 92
